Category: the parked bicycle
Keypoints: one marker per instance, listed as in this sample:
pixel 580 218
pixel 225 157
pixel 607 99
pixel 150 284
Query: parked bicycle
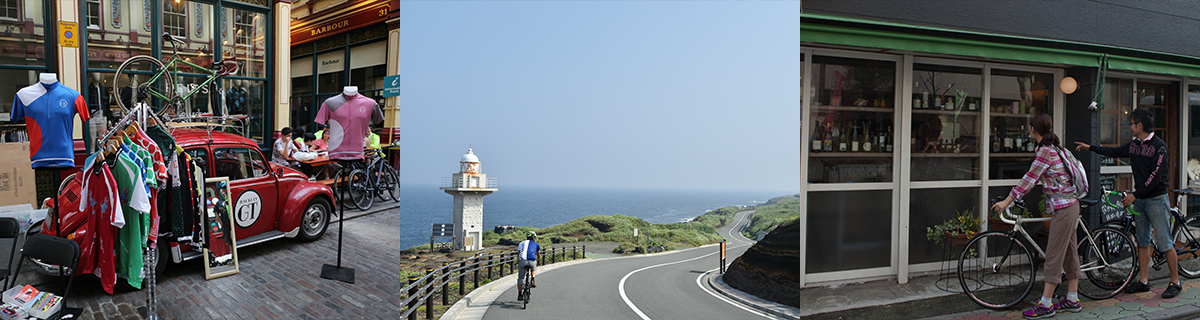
pixel 997 270
pixel 364 180
pixel 161 82
pixel 1184 231
pixel 384 180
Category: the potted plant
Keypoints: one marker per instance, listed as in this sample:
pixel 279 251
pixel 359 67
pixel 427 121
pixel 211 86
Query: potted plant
pixel 957 231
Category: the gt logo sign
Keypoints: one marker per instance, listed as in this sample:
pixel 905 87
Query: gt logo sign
pixel 247 209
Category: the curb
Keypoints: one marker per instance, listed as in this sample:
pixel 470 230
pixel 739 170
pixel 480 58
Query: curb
pixel 503 283
pixel 1188 311
pixel 772 308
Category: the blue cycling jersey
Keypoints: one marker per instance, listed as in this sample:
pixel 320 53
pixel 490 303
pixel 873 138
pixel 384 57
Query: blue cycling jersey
pixel 528 250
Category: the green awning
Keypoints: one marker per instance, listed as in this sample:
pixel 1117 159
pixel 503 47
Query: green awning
pixel 848 32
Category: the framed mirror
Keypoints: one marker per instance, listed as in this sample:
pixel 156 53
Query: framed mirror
pixel 220 245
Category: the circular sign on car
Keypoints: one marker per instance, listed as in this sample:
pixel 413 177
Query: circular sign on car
pixel 247 209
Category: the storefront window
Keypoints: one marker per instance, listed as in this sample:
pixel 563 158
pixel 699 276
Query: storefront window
pixel 848 230
pixel 175 17
pixel 1193 146
pixel 931 207
pixel 1016 96
pixel 853 116
pixel 946 122
pixel 247 98
pixel 247 41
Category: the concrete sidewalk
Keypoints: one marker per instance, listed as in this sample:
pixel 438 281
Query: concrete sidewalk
pixel 922 298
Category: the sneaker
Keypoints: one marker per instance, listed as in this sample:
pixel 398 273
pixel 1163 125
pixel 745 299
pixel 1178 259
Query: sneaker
pixel 1067 305
pixel 532 284
pixel 1172 291
pixel 1137 286
pixel 1038 312
pixel 519 297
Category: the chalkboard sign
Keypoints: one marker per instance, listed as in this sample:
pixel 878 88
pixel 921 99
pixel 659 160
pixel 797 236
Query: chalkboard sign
pixel 1108 182
pixel 1107 161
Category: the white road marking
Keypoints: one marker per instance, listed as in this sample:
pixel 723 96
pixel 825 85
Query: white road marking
pixel 735 304
pixel 621 285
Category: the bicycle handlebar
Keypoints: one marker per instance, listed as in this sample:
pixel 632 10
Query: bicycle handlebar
pixel 1007 216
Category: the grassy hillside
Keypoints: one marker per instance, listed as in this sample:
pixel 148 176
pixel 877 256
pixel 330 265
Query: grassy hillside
pixel 777 211
pixel 619 228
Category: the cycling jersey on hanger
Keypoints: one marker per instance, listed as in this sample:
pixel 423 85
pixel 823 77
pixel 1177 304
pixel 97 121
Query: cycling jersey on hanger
pixel 348 120
pixel 48 111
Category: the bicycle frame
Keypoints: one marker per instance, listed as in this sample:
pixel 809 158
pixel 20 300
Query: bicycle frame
pixel 212 76
pixel 1174 214
pixel 1017 221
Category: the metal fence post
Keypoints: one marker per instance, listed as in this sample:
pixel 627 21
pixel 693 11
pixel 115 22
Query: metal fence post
pixel 445 284
pixel 412 292
pixel 489 264
pixel 461 284
pixel 476 271
pixel 429 302
pixel 573 257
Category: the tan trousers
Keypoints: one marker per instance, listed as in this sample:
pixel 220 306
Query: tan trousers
pixel 1063 247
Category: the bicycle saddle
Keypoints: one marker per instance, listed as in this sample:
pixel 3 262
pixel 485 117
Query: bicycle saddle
pixel 167 37
pixel 1089 202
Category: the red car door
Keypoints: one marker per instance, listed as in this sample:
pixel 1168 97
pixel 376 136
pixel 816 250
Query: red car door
pixel 253 187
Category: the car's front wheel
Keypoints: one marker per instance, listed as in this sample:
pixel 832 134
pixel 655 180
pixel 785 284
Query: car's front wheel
pixel 315 220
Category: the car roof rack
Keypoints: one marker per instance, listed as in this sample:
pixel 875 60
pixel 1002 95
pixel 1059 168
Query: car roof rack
pixel 235 122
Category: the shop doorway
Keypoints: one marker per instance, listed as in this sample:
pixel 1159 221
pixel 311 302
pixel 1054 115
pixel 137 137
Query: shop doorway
pixel 1162 99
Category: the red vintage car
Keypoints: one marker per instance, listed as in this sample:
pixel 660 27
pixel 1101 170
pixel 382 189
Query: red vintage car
pixel 269 201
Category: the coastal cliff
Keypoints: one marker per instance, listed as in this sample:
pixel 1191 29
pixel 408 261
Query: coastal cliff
pixel 771 268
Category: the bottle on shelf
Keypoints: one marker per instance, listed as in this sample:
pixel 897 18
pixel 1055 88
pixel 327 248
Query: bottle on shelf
pixel 888 140
pixel 816 137
pixel 867 138
pixel 854 142
pixel 996 140
pixel 827 138
pixel 1019 140
pixel 1008 142
pixel 1030 145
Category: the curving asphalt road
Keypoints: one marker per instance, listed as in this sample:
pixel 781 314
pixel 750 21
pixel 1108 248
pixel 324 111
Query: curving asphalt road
pixel 662 286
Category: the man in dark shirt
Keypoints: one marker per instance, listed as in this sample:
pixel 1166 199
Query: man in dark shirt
pixel 1148 157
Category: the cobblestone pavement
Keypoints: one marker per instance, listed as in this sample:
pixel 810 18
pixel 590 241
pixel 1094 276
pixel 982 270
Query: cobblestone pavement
pixel 279 279
pixel 1121 306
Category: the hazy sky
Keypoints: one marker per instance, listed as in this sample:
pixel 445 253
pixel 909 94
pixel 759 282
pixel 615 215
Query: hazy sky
pixel 613 94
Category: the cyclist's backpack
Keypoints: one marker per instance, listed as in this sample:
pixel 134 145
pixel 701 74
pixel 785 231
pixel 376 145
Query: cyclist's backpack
pixel 1078 176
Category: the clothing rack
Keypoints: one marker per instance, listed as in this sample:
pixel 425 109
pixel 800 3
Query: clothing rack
pixel 141 112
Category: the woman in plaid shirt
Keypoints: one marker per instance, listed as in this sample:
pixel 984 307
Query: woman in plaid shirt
pixel 1049 171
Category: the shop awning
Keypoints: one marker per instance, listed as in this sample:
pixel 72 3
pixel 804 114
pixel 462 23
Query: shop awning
pixel 828 29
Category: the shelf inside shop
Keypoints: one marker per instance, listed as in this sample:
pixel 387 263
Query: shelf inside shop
pixel 1011 115
pixel 859 109
pixel 945 155
pixel 849 154
pixel 947 112
pixel 1013 155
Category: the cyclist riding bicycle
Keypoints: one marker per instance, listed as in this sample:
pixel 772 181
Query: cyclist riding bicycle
pixel 527 253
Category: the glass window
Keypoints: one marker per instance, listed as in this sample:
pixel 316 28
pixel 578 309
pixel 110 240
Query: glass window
pixel 1016 97
pixel 175 18
pixel 946 122
pixel 116 39
pixel 931 207
pixel 199 102
pixel 248 41
pixel 1193 150
pixel 1114 119
pixel 10 9
pixel 247 97
pixel 93 14
pixel 847 233
pixel 238 163
pixel 201 157
pixel 330 72
pixel 853 115
pixel 14 79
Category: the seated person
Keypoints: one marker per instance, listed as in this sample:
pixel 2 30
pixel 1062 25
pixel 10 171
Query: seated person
pixel 319 144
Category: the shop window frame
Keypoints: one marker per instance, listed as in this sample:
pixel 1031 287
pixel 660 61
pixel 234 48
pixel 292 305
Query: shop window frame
pixel 49 44
pixel 902 184
pixel 316 95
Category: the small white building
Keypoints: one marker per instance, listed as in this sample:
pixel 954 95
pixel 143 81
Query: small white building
pixel 468 187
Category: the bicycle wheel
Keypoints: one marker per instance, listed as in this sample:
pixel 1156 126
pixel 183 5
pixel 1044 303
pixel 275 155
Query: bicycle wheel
pixel 1108 265
pixel 996 270
pixel 360 189
pixel 1188 247
pixel 135 72
pixel 389 183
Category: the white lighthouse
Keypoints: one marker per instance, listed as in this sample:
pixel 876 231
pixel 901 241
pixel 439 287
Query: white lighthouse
pixel 468 187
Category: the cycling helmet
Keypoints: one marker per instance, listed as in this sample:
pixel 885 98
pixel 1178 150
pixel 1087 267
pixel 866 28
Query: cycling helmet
pixel 532 235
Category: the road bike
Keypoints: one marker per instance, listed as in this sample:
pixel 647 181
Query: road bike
pixel 1184 232
pixel 163 78
pixel 527 289
pixel 350 182
pixel 997 270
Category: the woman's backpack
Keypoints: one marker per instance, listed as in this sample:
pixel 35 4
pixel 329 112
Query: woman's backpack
pixel 1078 176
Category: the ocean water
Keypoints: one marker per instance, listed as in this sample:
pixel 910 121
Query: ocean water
pixel 423 205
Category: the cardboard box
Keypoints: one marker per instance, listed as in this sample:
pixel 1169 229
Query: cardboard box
pixel 17 184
